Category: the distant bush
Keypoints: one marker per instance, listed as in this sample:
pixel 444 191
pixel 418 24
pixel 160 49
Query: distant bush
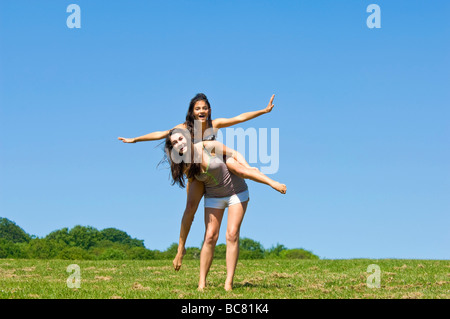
pixel 297 254
pixel 280 251
pixel 118 236
pixel 192 253
pixel 220 251
pixel 250 249
pixel 11 232
pixel 41 248
pixel 9 249
pixel 141 253
pixel 275 251
pixel 113 254
pixel 89 243
pixel 74 253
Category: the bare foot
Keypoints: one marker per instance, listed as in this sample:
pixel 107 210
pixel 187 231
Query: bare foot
pixel 178 260
pixel 201 286
pixel 228 286
pixel 279 187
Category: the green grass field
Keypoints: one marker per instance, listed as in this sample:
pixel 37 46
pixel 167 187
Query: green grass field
pixel 270 279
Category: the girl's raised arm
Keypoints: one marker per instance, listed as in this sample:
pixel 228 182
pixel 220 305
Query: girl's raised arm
pixel 225 122
pixel 158 135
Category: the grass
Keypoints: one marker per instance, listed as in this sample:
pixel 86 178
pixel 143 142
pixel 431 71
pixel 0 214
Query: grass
pixel 265 279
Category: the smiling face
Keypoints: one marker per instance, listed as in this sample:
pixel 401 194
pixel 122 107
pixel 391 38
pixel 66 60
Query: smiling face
pixel 178 152
pixel 201 111
pixel 179 143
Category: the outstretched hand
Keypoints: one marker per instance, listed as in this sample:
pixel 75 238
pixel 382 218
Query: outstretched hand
pixel 270 105
pixel 127 140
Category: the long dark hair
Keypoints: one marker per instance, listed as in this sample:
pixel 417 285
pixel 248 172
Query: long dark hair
pixel 184 168
pixel 190 113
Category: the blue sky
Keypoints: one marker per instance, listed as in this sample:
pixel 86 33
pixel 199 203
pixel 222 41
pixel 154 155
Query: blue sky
pixel 363 117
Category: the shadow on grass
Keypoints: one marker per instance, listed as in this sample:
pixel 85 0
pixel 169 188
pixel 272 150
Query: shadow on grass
pixel 262 285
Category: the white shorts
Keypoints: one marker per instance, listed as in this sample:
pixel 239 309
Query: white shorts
pixel 223 202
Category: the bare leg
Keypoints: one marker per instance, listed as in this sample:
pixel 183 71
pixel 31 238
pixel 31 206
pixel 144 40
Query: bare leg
pixel 213 219
pixel 195 191
pixel 235 216
pixel 254 174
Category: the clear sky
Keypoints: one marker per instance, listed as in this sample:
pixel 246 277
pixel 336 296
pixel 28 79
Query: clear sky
pixel 363 117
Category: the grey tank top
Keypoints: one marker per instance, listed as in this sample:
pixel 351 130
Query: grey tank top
pixel 218 180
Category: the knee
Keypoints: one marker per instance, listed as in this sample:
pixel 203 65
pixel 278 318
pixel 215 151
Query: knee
pixel 232 236
pixel 211 237
pixel 240 171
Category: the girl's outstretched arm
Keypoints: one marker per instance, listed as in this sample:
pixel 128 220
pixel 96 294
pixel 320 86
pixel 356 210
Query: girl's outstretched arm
pixel 153 136
pixel 226 122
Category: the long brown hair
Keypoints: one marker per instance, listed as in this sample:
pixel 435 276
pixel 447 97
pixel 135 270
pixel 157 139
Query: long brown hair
pixel 182 169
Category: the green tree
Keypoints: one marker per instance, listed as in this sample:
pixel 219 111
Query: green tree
pixel 220 251
pixel 10 231
pixel 250 249
pixel 141 253
pixel 119 236
pixel 84 236
pixel 113 254
pixel 192 253
pixel 298 253
pixel 42 248
pixel 74 253
pixel 275 251
pixel 170 252
pixel 61 236
pixel 8 249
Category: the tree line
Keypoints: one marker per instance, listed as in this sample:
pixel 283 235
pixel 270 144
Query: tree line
pixel 89 243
